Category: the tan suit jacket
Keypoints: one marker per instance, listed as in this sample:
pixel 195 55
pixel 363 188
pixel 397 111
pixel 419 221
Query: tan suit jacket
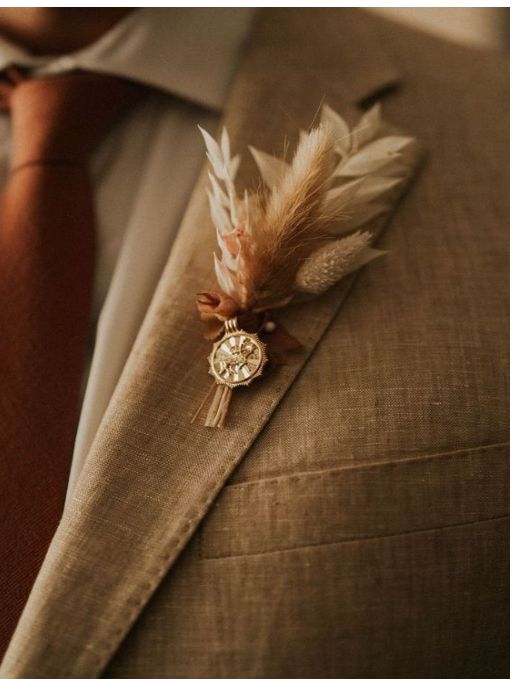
pixel 350 521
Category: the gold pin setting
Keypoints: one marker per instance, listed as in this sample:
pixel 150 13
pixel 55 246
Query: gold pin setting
pixel 238 358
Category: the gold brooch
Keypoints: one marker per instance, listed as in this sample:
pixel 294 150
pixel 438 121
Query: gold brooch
pixel 238 358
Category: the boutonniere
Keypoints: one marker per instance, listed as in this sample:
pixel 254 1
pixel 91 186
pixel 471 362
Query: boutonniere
pixel 291 239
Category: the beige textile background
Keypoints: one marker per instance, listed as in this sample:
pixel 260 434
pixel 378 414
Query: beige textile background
pixel 475 26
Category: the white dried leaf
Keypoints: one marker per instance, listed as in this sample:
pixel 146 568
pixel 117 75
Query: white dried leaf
pixel 233 206
pixel 218 194
pixel 364 162
pixel 339 201
pixel 219 215
pixel 230 260
pixel 359 218
pixel 368 127
pixel 374 186
pixel 272 169
pixel 218 168
pixel 223 198
pixel 356 193
pixel 233 167
pixel 214 154
pixel 388 145
pixel 225 147
pixel 224 277
pixel 211 145
pixel 253 213
pixel 374 156
pixel 344 191
pixel 338 128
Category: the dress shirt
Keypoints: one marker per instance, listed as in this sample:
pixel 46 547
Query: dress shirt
pixel 144 170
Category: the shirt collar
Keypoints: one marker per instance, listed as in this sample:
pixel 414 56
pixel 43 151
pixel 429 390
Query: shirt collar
pixel 188 52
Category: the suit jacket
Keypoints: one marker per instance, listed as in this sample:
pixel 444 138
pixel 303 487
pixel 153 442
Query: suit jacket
pixel 350 520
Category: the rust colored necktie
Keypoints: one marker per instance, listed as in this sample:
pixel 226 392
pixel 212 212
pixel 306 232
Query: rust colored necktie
pixel 47 234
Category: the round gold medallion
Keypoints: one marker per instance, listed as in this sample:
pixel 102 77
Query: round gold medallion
pixel 237 359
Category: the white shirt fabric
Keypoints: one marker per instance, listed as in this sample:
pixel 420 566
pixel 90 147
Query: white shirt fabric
pixel 145 169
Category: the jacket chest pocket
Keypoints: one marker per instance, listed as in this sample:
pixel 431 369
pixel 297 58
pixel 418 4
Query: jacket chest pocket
pixel 357 503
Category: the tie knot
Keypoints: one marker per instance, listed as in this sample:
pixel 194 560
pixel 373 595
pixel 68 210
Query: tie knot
pixel 62 118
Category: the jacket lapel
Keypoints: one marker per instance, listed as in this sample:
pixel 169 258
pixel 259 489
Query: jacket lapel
pixel 151 476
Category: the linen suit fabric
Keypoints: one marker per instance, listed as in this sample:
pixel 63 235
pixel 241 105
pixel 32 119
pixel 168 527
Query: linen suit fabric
pixel 351 519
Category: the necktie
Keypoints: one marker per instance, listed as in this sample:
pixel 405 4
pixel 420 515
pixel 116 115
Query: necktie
pixel 47 242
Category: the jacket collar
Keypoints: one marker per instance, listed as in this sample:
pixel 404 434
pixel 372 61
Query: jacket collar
pixel 187 52
pixel 151 476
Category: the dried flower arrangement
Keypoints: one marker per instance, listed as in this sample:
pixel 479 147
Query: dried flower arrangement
pixel 293 238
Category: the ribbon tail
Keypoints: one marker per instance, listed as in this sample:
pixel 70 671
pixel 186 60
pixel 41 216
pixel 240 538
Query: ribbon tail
pixel 219 407
pixel 198 411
